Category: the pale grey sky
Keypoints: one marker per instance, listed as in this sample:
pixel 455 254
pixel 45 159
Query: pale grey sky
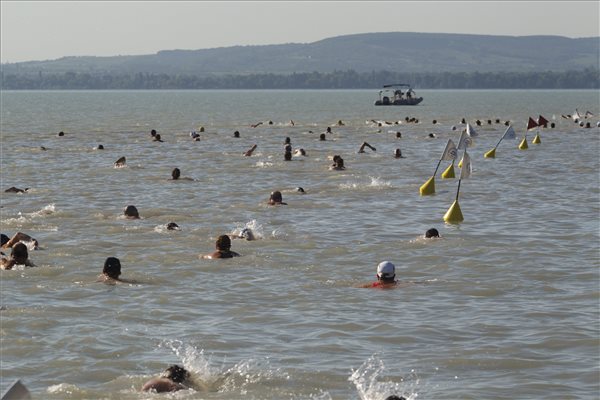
pixel 51 29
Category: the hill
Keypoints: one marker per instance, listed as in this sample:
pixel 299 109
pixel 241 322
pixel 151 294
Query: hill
pixel 394 51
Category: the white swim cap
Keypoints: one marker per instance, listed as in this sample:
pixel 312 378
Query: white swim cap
pixel 386 269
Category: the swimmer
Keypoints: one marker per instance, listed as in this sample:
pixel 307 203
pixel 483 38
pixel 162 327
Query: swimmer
pixel 131 212
pixel 432 233
pixel 236 134
pixel 431 135
pixel 338 163
pixel 256 125
pixel 386 274
pixel 195 136
pixel 100 147
pixel 292 122
pixel 201 129
pixel 172 226
pixel 365 144
pixel 18 256
pixel 13 189
pixel 61 133
pixel 340 123
pixel 176 175
pixel 287 141
pixel 153 132
pixel 300 152
pixel 394 397
pixel 111 271
pixel 249 152
pixel 223 246
pixel 398 135
pixel 171 380
pixel 120 162
pixel 328 129
pixel 398 154
pixel 300 190
pixel 276 199
pixel 18 238
pixel 157 138
pixel 322 137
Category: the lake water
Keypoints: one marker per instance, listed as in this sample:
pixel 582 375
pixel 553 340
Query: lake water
pixel 504 305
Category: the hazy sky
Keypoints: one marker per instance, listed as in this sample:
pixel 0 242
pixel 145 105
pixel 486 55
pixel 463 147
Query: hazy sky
pixel 50 29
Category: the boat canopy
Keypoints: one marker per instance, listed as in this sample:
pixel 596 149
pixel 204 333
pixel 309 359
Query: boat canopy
pixel 397 85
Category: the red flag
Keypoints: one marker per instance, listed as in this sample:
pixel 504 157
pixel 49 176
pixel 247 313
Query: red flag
pixel 542 121
pixel 531 124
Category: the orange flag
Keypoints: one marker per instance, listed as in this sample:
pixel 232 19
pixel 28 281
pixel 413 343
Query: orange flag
pixel 531 124
pixel 542 121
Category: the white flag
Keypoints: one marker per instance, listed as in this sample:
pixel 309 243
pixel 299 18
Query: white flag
pixel 509 133
pixel 450 152
pixel 576 115
pixel 464 141
pixel 471 132
pixel 465 170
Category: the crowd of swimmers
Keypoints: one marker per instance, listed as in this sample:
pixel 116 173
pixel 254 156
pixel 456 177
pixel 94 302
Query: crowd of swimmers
pixel 175 378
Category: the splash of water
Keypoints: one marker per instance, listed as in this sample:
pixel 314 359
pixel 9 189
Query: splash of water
pixel 370 384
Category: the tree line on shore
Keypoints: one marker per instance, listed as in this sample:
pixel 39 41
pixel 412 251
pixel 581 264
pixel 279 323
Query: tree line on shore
pixel 588 78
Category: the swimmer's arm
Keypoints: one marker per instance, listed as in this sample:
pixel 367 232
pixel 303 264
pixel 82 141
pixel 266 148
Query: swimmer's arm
pixel 161 385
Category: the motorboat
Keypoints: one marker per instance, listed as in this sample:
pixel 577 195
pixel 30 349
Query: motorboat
pixel 392 95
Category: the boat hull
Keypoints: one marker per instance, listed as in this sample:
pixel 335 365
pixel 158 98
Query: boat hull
pixel 402 102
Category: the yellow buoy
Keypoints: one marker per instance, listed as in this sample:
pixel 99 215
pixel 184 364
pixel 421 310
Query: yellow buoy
pixel 490 154
pixel 523 145
pixel 449 172
pixel 454 214
pixel 460 162
pixel 428 187
pixel 537 139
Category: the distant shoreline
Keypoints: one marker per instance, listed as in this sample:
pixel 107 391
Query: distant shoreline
pixel 588 78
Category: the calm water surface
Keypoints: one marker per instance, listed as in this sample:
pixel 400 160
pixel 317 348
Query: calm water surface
pixel 505 305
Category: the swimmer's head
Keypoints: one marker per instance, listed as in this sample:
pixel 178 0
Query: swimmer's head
pixel 19 253
pixel 176 373
pixel 131 212
pixel 176 173
pixel 112 267
pixel 61 133
pixel 172 226
pixel 223 243
pixel 398 134
pixel 299 189
pixel 386 271
pixel 394 397
pixel 153 132
pixel 236 134
pixel 287 140
pixel 100 147
pixel 431 135
pixel 322 137
pixel 432 233
pixel 328 129
pixel 276 197
pixel 3 239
